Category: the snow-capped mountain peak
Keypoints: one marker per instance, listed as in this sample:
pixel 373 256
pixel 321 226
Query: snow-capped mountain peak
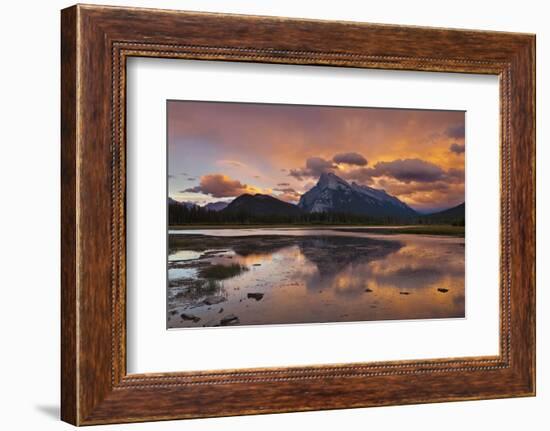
pixel 334 194
pixel 332 181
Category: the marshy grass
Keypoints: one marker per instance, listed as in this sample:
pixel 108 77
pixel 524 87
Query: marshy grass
pixel 221 272
pixel 197 289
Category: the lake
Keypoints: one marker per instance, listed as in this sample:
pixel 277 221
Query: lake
pixel 223 277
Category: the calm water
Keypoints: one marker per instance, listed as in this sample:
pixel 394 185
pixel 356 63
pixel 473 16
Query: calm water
pixel 222 277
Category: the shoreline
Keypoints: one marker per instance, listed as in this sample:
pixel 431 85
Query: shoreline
pixel 443 230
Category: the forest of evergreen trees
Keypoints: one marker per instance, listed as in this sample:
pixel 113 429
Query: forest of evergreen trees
pixel 182 215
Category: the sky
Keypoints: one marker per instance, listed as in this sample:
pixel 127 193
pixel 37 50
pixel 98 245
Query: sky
pixel 217 151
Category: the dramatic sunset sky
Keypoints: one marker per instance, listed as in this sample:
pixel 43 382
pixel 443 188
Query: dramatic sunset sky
pixel 217 151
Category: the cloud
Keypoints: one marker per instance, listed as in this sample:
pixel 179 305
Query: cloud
pixel 426 196
pixel 457 148
pixel 406 189
pixel 350 159
pixel 191 179
pixel 308 185
pixel 455 175
pixel 285 190
pixel 404 170
pixel 283 184
pixel 234 163
pixel 407 170
pixel 315 166
pixel 456 132
pixel 287 194
pixel 221 186
pixel 363 176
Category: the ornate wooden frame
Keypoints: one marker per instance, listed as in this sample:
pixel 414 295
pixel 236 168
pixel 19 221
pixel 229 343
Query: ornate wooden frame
pixel 95 42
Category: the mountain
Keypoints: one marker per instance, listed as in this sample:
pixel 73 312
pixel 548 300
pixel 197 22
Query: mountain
pixel 455 214
pixel 183 203
pixel 333 194
pixel 261 205
pixel 216 206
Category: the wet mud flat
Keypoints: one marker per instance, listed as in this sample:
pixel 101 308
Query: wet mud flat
pixel 263 279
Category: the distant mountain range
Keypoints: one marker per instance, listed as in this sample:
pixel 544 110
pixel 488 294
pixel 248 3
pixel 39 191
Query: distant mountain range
pixel 212 206
pixel 216 206
pixel 331 194
pixel 181 203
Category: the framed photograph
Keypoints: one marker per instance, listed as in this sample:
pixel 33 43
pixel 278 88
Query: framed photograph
pixel 266 215
pixel 275 217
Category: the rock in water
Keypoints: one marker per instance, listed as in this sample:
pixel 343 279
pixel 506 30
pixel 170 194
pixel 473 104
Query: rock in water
pixel 442 290
pixel 186 316
pixel 256 296
pixel 211 300
pixel 404 293
pixel 230 319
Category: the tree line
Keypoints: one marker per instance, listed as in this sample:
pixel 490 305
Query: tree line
pixel 182 215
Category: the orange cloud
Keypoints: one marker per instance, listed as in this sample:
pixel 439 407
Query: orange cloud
pixel 233 163
pixel 221 186
pixel 287 194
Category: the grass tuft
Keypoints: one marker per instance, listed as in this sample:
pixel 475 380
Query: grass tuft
pixel 221 272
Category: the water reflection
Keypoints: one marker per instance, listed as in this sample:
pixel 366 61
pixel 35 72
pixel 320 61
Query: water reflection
pixel 268 276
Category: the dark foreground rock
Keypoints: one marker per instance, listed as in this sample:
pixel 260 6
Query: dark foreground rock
pixel 212 300
pixel 186 316
pixel 230 319
pixel 256 296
